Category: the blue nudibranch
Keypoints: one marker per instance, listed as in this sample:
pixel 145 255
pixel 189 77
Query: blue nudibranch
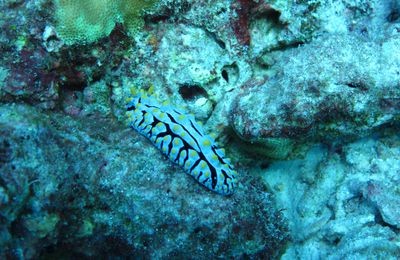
pixel 182 139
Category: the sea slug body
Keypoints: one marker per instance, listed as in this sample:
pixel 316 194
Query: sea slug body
pixel 182 139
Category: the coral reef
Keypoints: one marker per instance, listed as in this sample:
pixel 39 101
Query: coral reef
pixel 38 68
pixel 315 83
pixel 80 22
pixel 26 67
pixel 341 85
pixel 346 199
pixel 85 21
pixel 312 97
pixel 98 199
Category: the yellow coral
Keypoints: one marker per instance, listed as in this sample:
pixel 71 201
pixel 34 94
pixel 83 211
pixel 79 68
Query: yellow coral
pixel 131 13
pixel 86 21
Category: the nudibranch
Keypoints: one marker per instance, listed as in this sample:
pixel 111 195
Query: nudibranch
pixel 177 134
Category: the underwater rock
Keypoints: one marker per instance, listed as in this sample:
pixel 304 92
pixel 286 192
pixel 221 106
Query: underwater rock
pixel 193 67
pixel 321 71
pixel 75 183
pixel 378 159
pixel 79 187
pixel 38 68
pixel 28 67
pixel 189 66
pixel 331 88
pixel 344 199
pixel 182 45
pixel 279 25
pixel 387 203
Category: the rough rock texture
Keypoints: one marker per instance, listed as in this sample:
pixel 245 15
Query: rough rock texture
pixel 36 67
pixel 342 202
pixel 314 97
pixel 190 57
pixel 87 187
pixel 23 57
pixel 344 83
pixel 283 75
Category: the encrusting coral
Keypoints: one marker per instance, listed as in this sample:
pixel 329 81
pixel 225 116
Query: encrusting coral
pixel 87 21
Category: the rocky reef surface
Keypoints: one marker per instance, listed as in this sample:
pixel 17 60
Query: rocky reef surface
pixel 305 96
pixel 79 188
pixel 342 203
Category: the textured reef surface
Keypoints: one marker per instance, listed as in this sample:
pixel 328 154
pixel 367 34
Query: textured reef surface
pixel 303 95
pixel 79 188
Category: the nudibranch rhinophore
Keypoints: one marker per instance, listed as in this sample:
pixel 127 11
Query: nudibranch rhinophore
pixel 182 139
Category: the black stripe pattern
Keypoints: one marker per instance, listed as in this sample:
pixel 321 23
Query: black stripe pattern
pixel 183 140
